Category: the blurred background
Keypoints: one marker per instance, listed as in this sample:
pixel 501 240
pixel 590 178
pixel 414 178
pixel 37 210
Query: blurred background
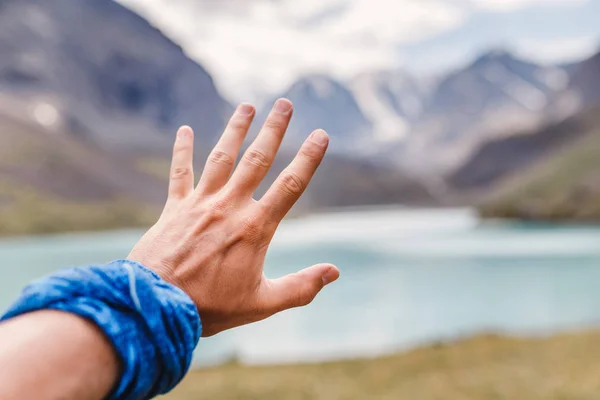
pixel 460 197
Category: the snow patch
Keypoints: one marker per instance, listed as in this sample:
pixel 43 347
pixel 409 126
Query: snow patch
pixel 554 78
pixel 323 87
pixel 388 126
pixel 46 114
pixel 516 87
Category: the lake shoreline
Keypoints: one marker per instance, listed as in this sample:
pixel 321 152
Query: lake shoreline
pixel 147 223
pixel 483 215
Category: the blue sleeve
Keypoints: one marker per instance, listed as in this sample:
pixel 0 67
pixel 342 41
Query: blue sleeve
pixel 153 325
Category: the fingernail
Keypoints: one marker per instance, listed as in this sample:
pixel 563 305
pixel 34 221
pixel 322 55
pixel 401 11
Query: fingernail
pixel 319 137
pixel 329 276
pixel 245 109
pixel 184 132
pixel 283 106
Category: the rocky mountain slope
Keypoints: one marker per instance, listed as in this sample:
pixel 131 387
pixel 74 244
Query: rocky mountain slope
pixel 50 182
pixel 100 71
pixel 550 174
pixel 392 100
pixel 492 97
pixel 90 97
pixel 401 119
pixel 322 102
pixel 502 157
pixel 582 92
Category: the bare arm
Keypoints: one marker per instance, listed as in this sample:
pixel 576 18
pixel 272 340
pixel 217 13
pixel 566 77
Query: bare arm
pixel 55 355
pixel 210 241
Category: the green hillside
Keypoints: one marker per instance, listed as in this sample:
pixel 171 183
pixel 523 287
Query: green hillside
pixel 563 185
pixel 50 182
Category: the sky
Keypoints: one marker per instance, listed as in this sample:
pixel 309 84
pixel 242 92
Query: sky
pixel 255 49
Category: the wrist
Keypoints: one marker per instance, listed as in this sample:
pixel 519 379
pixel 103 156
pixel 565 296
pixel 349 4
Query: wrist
pixel 153 325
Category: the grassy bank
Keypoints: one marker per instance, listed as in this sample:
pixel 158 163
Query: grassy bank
pixel 565 367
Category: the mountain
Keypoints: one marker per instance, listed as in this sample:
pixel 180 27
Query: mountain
pixel 586 81
pixel 492 97
pixel 494 79
pixel 344 181
pixel 582 92
pixel 100 71
pixel 400 119
pixel 560 181
pixel 364 116
pixel 50 182
pixel 322 102
pixel 90 97
pixel 391 100
pixel 88 92
pixel 497 159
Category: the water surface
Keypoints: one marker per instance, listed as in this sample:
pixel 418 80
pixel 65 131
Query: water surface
pixel 408 277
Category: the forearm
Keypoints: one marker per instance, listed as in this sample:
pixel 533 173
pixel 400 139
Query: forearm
pixel 57 354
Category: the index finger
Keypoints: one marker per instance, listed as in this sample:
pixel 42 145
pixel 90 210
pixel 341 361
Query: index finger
pixel 293 181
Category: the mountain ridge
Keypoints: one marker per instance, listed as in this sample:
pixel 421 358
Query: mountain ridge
pixel 91 96
pixel 103 82
pixel 493 96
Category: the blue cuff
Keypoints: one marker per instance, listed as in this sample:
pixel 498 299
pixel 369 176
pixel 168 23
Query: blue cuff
pixel 153 325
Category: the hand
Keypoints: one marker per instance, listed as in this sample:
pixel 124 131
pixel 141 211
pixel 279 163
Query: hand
pixel 211 241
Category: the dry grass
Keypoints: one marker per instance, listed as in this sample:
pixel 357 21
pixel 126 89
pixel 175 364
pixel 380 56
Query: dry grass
pixel 486 368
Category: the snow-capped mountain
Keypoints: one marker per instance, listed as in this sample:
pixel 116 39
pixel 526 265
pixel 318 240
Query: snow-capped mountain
pixel 586 81
pixel 495 79
pixel 582 92
pixel 322 102
pixel 432 127
pixel 391 100
pixel 90 97
pixel 495 95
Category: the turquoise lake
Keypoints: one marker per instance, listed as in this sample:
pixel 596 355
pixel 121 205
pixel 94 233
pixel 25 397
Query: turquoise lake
pixel 408 278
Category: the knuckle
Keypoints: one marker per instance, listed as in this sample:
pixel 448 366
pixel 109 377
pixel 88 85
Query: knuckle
pixel 180 173
pixel 219 209
pixel 257 158
pixel 292 184
pixel 264 212
pixel 253 229
pixel 261 210
pixel 312 151
pixel 306 296
pixel 181 151
pixel 238 123
pixel 181 147
pixel 221 157
pixel 274 123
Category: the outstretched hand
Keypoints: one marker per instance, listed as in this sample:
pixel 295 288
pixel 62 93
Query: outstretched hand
pixel 212 240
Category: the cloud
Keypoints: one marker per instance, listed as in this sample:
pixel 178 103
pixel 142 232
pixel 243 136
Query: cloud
pixel 557 50
pixel 255 48
pixel 262 46
pixel 511 5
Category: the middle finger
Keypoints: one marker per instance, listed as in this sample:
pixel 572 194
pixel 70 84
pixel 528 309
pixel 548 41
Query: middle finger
pixel 260 155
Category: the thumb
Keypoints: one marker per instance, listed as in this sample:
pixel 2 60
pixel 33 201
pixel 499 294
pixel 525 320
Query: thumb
pixel 299 289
